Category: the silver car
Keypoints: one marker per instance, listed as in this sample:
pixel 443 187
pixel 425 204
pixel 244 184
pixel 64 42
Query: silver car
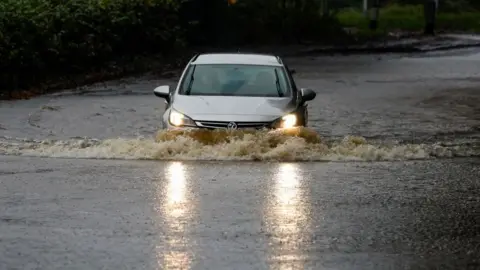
pixel 235 91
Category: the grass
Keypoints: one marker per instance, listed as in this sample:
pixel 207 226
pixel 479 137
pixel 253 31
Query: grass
pixel 410 18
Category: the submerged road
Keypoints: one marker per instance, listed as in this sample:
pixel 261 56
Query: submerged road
pixel 415 203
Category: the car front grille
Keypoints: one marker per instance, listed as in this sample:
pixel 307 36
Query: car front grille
pixel 240 125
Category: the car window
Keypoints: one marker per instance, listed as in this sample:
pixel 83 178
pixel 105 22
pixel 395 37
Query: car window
pixel 235 80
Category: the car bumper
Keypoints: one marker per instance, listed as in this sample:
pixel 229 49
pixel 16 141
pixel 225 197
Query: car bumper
pixel 219 128
pixel 225 125
pixel 234 125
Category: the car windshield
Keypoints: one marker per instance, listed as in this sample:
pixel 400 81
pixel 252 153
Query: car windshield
pixel 235 80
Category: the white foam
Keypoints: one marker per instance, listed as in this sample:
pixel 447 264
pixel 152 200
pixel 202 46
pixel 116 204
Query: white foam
pixel 301 145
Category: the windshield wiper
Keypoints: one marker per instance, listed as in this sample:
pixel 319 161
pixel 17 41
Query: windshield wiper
pixel 277 83
pixel 189 87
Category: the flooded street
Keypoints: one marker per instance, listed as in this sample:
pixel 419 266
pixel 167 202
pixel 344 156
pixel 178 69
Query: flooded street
pixel 386 177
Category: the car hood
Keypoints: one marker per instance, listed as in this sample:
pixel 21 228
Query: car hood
pixel 232 108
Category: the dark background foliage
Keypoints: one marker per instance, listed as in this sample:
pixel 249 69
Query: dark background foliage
pixel 40 39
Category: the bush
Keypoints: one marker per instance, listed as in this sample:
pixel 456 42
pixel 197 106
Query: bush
pixel 271 22
pixel 40 39
pixel 262 21
pixel 44 37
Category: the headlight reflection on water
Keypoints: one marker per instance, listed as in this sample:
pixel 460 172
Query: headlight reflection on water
pixel 176 210
pixel 177 184
pixel 287 191
pixel 287 217
pixel 289 208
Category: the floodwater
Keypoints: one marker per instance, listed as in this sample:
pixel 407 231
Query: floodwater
pixel 387 176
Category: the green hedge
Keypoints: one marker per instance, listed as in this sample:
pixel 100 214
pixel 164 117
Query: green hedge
pixel 42 37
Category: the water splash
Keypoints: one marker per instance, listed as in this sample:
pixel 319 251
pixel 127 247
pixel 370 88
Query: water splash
pixel 299 144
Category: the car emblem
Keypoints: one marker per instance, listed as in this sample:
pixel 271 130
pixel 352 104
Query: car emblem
pixel 232 125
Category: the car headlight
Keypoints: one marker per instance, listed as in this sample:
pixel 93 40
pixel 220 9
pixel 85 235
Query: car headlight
pixel 179 119
pixel 287 121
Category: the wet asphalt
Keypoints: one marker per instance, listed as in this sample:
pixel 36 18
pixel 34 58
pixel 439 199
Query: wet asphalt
pixel 111 214
pixel 88 214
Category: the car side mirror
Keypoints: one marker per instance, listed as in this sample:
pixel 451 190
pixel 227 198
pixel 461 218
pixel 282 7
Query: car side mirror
pixel 162 92
pixel 307 94
pixel 293 71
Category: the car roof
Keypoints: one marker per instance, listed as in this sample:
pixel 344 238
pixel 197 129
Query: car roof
pixel 237 58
